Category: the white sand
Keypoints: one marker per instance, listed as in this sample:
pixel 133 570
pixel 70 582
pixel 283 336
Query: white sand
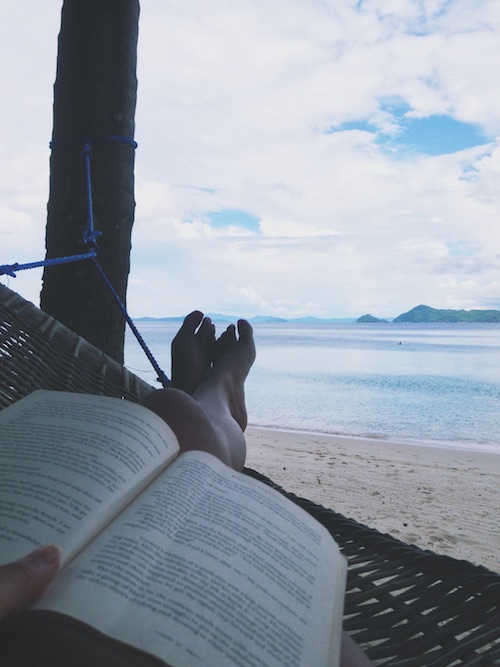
pixel 446 500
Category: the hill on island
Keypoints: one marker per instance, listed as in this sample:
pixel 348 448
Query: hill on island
pixel 427 314
pixel 369 319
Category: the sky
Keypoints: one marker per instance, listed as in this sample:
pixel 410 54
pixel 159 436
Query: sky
pixel 295 157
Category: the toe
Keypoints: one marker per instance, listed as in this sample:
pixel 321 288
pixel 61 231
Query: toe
pixel 245 330
pixel 225 341
pixel 207 329
pixel 192 321
pixel 228 335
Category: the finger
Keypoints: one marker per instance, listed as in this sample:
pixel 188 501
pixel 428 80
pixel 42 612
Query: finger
pixel 23 581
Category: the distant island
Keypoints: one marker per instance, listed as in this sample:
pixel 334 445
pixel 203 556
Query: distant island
pixel 418 314
pixel 257 319
pixel 427 314
pixel 369 319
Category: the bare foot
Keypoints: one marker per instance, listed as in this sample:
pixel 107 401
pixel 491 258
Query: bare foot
pixel 233 359
pixel 192 352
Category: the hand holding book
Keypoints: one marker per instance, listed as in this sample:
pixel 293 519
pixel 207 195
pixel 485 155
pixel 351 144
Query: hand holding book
pixel 24 580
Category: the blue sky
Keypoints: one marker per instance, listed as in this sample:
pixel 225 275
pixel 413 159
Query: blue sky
pixel 295 158
pixel 432 135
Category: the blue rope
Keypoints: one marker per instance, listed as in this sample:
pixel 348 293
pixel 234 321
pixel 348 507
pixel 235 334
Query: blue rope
pixel 161 375
pixel 90 236
pixel 66 143
pixel 10 269
pixel 122 140
pixel 63 143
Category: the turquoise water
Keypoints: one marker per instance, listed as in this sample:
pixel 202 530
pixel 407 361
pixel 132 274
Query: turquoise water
pixel 434 383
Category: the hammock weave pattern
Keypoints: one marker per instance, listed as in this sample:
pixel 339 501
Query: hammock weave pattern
pixel 406 607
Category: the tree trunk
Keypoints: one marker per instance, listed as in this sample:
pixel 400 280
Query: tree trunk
pixel 94 98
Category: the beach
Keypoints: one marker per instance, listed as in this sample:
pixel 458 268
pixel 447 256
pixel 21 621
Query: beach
pixel 434 383
pixel 443 499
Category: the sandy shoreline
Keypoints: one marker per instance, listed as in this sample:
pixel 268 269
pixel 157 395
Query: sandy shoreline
pixel 447 500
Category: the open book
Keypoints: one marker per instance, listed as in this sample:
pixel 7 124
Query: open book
pixel 180 557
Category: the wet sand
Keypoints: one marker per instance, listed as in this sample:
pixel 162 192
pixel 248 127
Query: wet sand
pixel 446 500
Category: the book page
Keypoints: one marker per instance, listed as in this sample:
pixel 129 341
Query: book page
pixel 210 567
pixel 69 463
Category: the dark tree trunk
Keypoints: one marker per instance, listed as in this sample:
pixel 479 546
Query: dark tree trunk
pixel 94 98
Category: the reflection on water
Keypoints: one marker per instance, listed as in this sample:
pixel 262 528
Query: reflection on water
pixel 419 382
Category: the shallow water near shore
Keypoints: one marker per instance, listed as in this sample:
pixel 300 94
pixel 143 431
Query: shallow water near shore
pixel 437 384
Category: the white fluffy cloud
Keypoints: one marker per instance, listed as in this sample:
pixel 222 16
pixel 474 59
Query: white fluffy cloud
pixel 243 107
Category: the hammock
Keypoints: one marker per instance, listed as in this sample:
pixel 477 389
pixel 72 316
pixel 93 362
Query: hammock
pixel 404 606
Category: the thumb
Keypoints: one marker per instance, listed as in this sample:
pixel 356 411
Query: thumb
pixel 23 581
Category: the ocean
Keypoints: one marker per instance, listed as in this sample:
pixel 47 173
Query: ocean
pixel 437 384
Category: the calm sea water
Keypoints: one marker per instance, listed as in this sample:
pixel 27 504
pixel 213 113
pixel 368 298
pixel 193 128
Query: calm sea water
pixel 434 383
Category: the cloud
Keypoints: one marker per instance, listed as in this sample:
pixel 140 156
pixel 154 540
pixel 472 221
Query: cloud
pixel 284 159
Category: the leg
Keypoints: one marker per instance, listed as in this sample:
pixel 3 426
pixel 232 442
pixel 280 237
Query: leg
pixel 214 417
pixel 222 394
pixel 192 352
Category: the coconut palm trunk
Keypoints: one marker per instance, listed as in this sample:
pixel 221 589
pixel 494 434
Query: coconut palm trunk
pixel 94 104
